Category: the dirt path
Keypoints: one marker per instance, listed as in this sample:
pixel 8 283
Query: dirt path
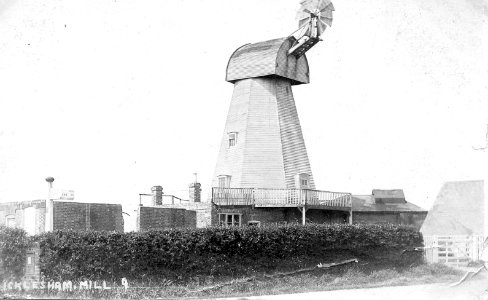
pixel 473 289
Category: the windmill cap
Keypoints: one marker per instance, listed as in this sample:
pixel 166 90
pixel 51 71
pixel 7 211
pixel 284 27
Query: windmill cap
pixel 268 58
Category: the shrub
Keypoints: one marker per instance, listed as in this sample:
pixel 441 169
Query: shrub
pixel 14 243
pixel 182 254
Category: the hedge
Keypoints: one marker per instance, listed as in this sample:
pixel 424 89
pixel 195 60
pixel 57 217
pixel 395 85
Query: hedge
pixel 179 254
pixel 14 243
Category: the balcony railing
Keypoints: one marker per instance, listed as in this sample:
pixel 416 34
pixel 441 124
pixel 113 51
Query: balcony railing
pixel 280 197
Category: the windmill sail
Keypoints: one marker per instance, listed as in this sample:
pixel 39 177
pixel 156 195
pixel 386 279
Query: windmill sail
pixel 313 18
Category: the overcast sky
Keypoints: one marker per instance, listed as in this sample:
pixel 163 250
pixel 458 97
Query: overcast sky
pixel 113 97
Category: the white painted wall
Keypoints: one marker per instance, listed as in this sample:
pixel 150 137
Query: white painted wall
pixel 30 220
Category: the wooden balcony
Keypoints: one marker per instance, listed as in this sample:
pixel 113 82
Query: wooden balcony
pixel 281 198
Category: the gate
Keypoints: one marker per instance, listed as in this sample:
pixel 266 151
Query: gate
pixel 454 250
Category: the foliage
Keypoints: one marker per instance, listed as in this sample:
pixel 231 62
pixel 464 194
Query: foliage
pixel 14 243
pixel 182 254
pixel 321 280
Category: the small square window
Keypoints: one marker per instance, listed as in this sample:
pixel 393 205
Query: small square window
pixel 224 181
pixel 302 181
pixel 232 139
pixel 221 181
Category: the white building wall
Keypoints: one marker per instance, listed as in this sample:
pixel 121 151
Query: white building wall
pixel 270 149
pixel 295 156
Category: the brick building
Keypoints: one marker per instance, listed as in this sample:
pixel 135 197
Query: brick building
pixel 168 211
pixel 382 206
pixel 386 206
pixel 158 217
pixel 31 216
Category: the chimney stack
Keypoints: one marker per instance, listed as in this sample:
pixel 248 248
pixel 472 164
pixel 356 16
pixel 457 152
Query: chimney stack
pixel 157 195
pixel 195 192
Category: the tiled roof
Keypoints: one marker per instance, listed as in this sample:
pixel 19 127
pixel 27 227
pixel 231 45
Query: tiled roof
pixel 388 196
pixel 367 203
pixel 268 58
pixel 458 210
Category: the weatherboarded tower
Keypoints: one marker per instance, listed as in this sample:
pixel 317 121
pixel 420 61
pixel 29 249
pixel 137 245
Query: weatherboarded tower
pixel 262 145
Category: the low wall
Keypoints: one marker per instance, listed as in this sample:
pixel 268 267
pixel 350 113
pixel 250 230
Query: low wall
pixel 87 216
pixel 156 217
pixel 203 211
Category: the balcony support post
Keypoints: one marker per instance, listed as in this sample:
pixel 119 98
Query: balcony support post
pixel 350 211
pixel 303 210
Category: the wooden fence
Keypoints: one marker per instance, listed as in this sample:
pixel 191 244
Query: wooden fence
pixel 279 197
pixel 454 250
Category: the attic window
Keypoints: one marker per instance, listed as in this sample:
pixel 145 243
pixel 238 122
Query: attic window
pixel 224 181
pixel 302 181
pixel 232 139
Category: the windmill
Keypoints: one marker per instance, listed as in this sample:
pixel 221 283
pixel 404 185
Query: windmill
pixel 262 145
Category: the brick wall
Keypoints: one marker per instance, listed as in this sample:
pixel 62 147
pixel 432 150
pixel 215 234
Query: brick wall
pixel 248 214
pixel 327 216
pixel 203 211
pixel 70 216
pixel 279 215
pixel 106 217
pixel 406 218
pixel 415 219
pixel 88 216
pixel 67 215
pixel 157 217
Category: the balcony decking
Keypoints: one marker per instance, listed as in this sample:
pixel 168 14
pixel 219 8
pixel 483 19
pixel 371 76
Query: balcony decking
pixel 258 197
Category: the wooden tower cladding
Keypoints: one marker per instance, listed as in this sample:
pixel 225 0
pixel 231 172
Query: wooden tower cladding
pixel 262 145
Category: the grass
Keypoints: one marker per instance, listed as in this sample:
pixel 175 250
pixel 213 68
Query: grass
pixel 350 278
